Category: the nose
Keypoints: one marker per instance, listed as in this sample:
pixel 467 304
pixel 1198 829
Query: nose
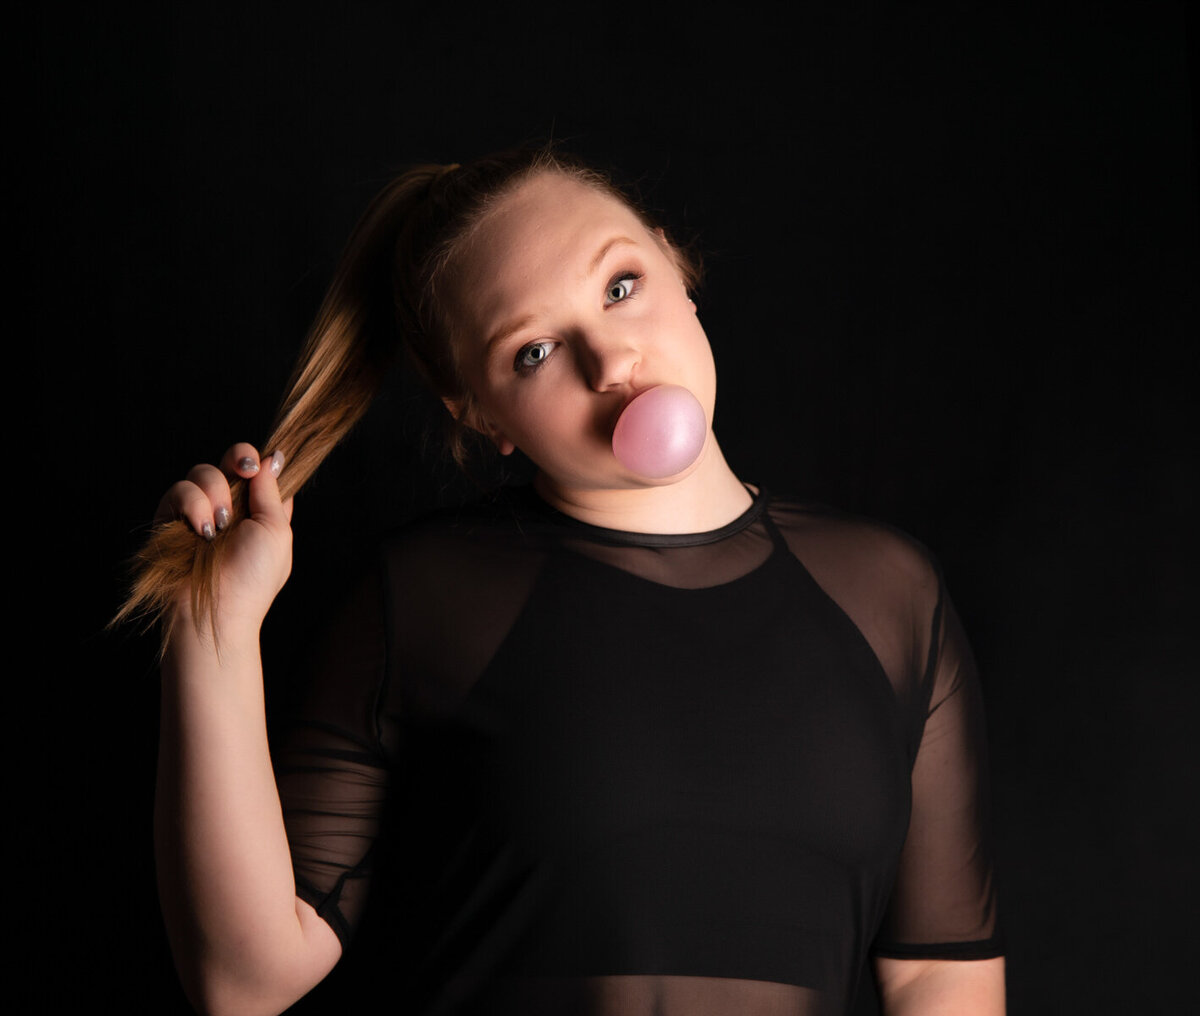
pixel 610 359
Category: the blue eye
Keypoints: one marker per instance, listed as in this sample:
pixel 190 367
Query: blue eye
pixel 531 357
pixel 622 287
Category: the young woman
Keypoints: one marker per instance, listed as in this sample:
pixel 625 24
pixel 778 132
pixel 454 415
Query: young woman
pixel 622 743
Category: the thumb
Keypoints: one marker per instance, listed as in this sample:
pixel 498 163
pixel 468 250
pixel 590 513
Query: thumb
pixel 265 504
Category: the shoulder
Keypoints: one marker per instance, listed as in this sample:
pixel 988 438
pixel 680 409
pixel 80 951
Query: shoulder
pixel 854 551
pixel 462 546
pixel 491 518
pixel 884 580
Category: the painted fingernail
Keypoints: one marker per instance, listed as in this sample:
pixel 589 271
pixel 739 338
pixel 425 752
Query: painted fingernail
pixel 222 515
pixel 247 465
pixel 207 531
pixel 277 461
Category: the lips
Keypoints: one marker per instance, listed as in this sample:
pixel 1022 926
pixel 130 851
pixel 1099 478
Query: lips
pixel 616 414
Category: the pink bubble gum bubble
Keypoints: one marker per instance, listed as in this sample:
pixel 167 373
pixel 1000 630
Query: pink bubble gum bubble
pixel 660 433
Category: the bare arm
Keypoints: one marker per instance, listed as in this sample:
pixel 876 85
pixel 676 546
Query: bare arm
pixel 937 987
pixel 242 941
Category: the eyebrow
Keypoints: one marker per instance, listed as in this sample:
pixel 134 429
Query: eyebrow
pixel 602 253
pixel 508 329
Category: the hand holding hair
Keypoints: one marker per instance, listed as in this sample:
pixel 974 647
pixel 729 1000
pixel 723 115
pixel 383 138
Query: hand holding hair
pixel 245 525
pixel 203 498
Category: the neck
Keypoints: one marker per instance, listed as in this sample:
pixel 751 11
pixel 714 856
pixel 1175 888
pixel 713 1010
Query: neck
pixel 707 498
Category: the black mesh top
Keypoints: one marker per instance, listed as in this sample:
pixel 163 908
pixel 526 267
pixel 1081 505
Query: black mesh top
pixel 576 770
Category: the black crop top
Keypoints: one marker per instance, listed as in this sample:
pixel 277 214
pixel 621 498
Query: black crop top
pixel 588 771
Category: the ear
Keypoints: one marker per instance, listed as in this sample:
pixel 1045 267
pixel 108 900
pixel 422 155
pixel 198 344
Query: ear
pixel 471 417
pixel 503 445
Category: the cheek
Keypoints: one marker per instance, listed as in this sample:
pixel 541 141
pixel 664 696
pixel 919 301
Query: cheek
pixel 701 367
pixel 697 349
pixel 544 412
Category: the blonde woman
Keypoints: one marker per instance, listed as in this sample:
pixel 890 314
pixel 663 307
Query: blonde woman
pixel 624 742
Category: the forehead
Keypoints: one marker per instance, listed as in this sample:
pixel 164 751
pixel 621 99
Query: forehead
pixel 545 233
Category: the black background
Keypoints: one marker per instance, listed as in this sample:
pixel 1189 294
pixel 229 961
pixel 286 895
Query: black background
pixel 951 265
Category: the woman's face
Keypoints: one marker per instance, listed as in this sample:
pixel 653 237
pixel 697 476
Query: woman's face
pixel 565 306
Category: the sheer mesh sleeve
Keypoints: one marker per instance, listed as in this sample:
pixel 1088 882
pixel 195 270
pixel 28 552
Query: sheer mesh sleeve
pixel 331 770
pixel 943 904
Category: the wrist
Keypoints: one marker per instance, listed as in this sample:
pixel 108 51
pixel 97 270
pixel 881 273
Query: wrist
pixel 236 632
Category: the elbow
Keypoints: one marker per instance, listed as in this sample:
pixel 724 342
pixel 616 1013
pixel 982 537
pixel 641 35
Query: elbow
pixel 214 995
pixel 258 972
pixel 226 989
pixel 211 996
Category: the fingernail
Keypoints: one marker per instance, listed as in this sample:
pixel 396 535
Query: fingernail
pixel 247 465
pixel 222 514
pixel 207 531
pixel 277 461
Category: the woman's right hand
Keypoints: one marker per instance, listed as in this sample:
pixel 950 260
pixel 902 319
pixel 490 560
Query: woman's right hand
pixel 256 558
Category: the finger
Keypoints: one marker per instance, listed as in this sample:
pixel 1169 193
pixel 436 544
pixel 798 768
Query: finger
pixel 288 506
pixel 265 504
pixel 185 500
pixel 240 459
pixel 214 484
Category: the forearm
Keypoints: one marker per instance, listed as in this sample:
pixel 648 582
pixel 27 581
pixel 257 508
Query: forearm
pixel 224 867
pixel 941 987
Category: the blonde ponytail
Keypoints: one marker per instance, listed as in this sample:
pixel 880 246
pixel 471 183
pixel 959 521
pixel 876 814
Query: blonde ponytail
pixel 348 353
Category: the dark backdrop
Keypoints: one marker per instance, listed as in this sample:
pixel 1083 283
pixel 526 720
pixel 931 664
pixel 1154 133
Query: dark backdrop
pixel 950 283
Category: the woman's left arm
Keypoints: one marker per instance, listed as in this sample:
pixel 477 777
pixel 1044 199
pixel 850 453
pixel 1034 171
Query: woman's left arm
pixel 934 987
pixel 940 948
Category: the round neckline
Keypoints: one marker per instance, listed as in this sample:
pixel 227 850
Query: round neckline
pixel 621 537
